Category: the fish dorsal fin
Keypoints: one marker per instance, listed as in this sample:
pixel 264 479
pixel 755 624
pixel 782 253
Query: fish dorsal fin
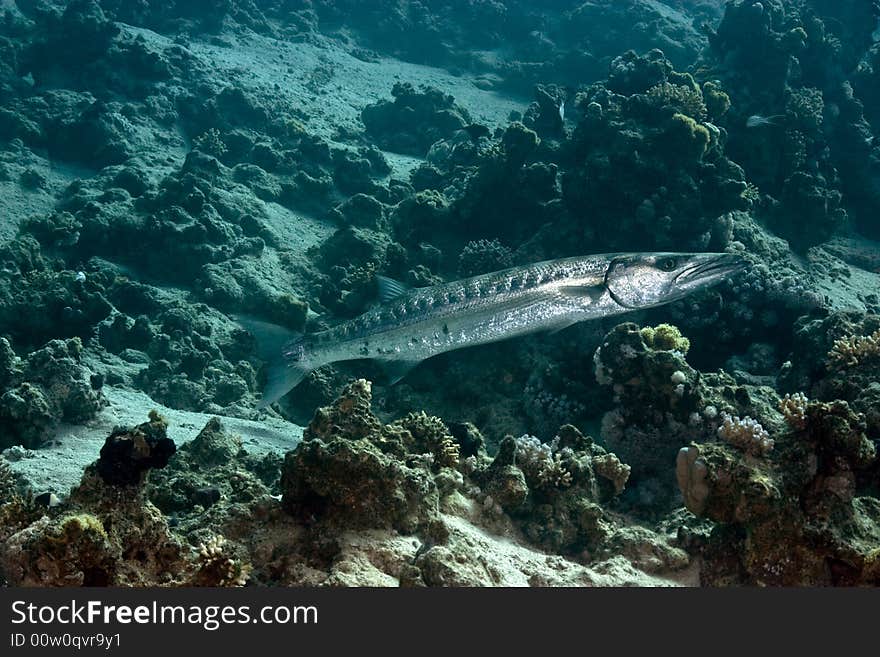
pixel 390 289
pixel 395 370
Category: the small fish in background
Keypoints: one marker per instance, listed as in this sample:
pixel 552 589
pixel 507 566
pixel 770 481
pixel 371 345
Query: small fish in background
pixel 758 121
pixel 562 110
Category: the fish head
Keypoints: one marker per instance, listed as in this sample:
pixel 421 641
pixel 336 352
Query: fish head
pixel 644 280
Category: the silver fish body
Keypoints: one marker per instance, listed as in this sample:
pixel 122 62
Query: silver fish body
pixel 420 323
pixel 424 322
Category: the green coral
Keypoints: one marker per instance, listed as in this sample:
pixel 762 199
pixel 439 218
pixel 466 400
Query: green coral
pixel 679 99
pixel 686 139
pixel 210 142
pixel 72 528
pixel 665 337
pixel 717 101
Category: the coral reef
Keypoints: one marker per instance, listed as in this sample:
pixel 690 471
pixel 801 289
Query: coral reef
pixel 167 169
pixel 106 534
pixel 793 517
pixel 815 150
pixel 661 403
pixel 647 106
pixel 418 500
pixel 833 359
pixel 556 490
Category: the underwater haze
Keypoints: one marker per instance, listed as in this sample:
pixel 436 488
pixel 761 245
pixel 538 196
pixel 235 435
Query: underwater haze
pixel 445 293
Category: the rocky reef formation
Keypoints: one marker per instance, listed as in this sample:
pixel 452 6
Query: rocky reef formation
pixel 48 387
pixel 661 403
pixel 414 120
pixel 106 533
pixel 361 502
pixel 798 123
pixel 795 516
pixel 162 182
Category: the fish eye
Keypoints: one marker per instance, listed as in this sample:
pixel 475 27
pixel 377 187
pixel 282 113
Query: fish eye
pixel 667 264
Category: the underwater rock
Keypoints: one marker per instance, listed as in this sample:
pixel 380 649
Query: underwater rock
pixel 100 538
pixel 211 472
pixel 46 388
pixel 646 105
pixel 39 304
pixel 414 119
pixel 129 453
pixel 837 358
pixel 341 472
pixel 183 191
pixel 482 257
pixel 555 491
pixel 807 142
pixel 546 114
pixel 360 210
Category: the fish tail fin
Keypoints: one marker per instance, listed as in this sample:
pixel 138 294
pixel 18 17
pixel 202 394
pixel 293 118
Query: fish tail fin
pixel 285 353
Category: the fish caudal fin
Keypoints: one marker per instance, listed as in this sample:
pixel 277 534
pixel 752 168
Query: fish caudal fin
pixel 285 355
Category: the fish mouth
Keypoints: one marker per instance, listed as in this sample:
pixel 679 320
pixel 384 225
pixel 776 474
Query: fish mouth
pixel 711 269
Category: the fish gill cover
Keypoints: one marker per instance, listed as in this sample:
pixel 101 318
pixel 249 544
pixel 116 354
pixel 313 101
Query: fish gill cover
pixel 174 171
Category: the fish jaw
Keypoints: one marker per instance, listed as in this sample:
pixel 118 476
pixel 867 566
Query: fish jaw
pixel 709 270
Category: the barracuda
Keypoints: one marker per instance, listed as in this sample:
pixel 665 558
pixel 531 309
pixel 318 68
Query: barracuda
pixel 412 325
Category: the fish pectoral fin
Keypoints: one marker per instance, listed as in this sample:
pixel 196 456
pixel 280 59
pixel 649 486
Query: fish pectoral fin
pixel 395 370
pixel 594 292
pixel 389 288
pixel 274 345
pixel 281 378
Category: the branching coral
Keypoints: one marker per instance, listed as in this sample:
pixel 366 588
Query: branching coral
pixel 541 463
pixel 853 350
pixel 214 567
pixel 745 433
pixel 794 409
